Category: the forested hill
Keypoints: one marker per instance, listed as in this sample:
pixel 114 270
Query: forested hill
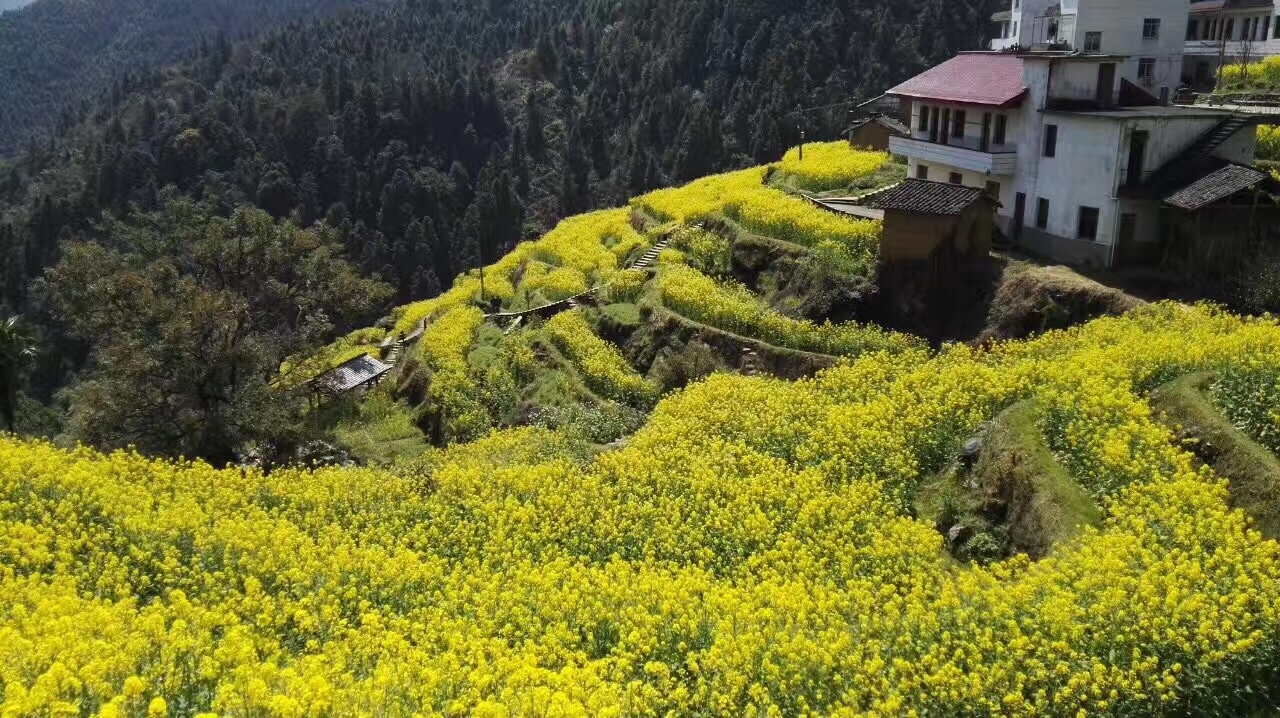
pixel 56 53
pixel 431 134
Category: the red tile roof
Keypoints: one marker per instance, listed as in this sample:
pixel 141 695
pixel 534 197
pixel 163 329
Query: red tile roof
pixel 971 79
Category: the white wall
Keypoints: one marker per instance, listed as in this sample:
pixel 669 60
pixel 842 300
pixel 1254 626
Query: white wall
pixel 1081 174
pixel 1121 22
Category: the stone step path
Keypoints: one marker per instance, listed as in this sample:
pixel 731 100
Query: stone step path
pixel 750 362
pixel 651 256
pixel 397 349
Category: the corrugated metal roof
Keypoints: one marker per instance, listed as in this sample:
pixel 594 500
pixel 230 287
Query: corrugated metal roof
pixel 925 197
pixel 972 79
pixel 1215 186
pixel 353 373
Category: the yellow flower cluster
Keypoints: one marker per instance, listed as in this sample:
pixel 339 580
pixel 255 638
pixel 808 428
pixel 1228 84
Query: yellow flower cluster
pixel 605 370
pixel 735 309
pixel 1249 393
pixel 453 394
pixel 1263 75
pixel 1268 142
pixel 830 165
pixel 743 197
pixel 747 553
pixel 781 216
pixel 627 285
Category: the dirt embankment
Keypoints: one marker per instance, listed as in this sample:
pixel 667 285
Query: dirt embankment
pixel 1032 299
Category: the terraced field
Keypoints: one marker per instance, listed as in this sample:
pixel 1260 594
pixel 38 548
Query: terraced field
pixel 618 524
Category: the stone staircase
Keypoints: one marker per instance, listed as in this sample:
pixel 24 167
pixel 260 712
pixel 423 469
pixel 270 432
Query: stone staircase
pixel 1191 164
pixel 1214 138
pixel 750 362
pixel 393 355
pixel 651 256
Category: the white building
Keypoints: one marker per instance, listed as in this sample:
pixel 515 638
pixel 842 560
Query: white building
pixel 1225 31
pixel 1146 36
pixel 1072 135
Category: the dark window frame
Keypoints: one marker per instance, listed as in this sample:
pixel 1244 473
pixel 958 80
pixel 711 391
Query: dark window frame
pixel 1050 148
pixel 1042 213
pixel 1087 220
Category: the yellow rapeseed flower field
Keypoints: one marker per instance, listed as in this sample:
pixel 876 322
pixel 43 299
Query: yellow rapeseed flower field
pixel 749 552
pixel 830 165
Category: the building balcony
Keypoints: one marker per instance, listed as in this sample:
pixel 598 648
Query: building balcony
pixel 961 153
pixel 1210 49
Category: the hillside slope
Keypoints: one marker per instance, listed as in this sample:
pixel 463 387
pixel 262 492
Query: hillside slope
pixel 749 551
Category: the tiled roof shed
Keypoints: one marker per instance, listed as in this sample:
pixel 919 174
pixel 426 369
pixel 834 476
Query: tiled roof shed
pixel 986 79
pixel 1215 186
pixel 888 122
pixel 926 197
pixel 359 371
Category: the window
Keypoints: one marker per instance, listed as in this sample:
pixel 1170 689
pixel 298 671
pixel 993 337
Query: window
pixel 922 172
pixel 1015 28
pixel 1192 29
pixel 1093 42
pixel 957 123
pixel 993 190
pixel 924 118
pixel 1266 28
pixel 1146 69
pixel 1050 140
pixel 1088 226
pixel 1042 213
pixel 1275 29
pixel 1231 28
pixel 1151 28
pixel 1002 127
pixel 956 178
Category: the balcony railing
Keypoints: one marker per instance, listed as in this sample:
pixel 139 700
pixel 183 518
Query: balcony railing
pixel 969 143
pixel 966 154
pixel 1053 32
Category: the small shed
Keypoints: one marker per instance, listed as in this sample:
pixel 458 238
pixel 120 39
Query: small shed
pixel 362 372
pixel 1211 222
pixel 921 216
pixel 874 132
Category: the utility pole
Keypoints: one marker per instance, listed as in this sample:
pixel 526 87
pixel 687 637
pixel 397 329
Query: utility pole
pixel 480 249
pixel 801 145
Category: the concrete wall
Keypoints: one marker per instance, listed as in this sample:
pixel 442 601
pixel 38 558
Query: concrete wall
pixel 939 172
pixel 872 135
pixel 1120 22
pixel 913 237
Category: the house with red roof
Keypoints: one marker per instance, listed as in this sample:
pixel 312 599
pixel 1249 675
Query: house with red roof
pixel 1072 131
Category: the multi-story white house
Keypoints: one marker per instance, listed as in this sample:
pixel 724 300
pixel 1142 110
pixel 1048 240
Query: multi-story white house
pixel 1071 130
pixel 1224 31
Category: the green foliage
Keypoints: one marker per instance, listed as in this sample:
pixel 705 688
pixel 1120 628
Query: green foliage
pixel 17 349
pixel 595 423
pixel 703 249
pixel 190 315
pixel 1249 394
pixel 734 308
pixel 603 368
